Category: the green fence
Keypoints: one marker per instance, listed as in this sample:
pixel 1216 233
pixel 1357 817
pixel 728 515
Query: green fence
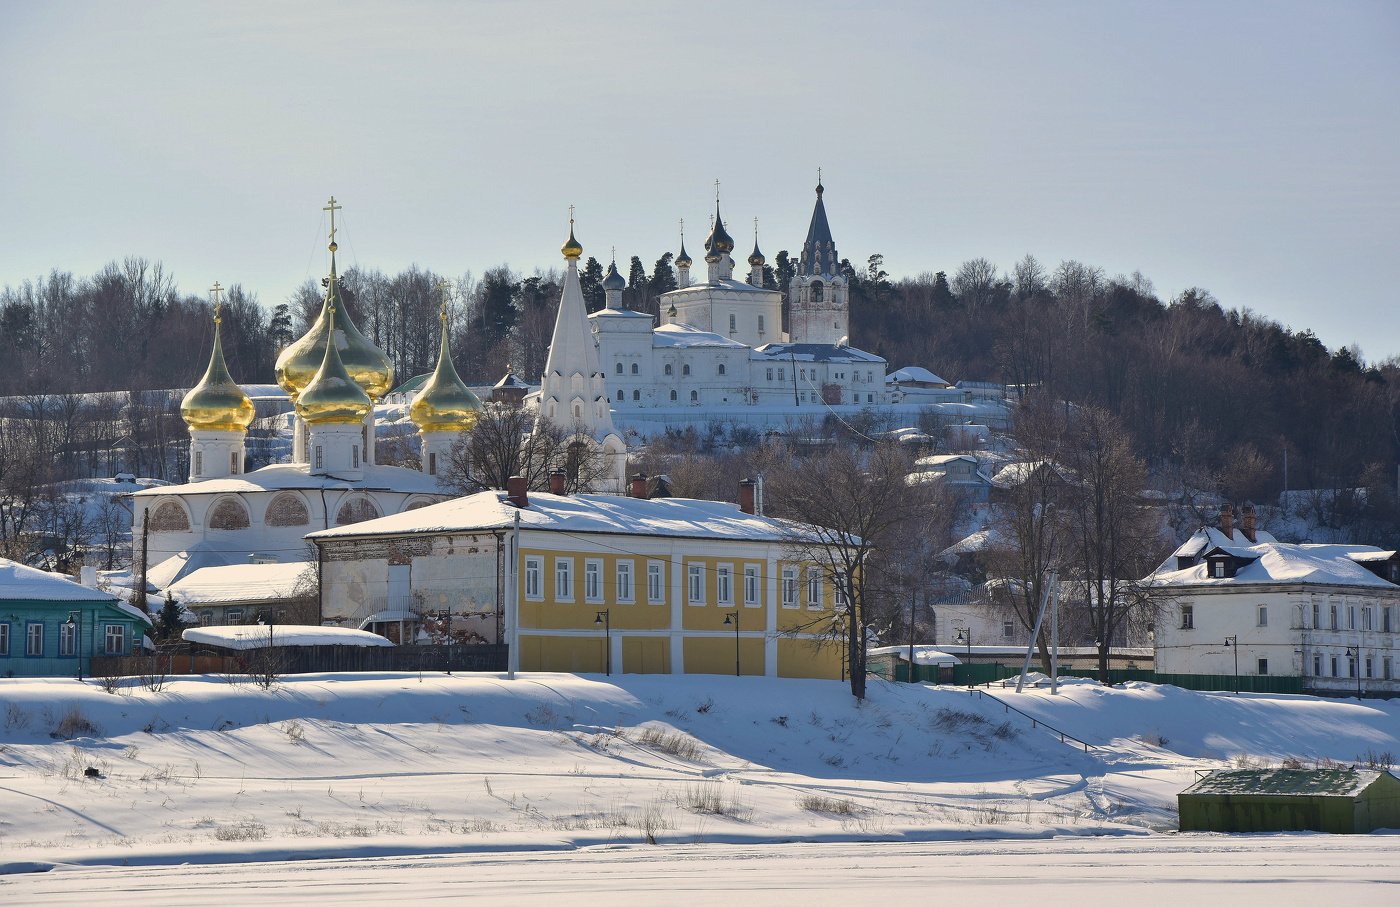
pixel 990 673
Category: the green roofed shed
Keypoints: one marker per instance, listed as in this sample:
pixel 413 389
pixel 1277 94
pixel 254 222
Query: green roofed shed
pixel 1338 801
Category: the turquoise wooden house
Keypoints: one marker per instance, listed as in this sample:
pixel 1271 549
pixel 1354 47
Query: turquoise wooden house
pixel 51 626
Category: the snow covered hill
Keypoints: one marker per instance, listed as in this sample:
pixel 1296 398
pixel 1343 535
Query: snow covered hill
pixel 336 765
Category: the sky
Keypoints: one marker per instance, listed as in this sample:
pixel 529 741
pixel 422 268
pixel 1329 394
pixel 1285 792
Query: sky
pixel 1246 148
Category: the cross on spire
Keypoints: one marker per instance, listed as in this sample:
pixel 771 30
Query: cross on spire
pixel 614 254
pixel 682 231
pixel 571 215
pixel 716 190
pixel 218 304
pixel 332 208
pixel 444 285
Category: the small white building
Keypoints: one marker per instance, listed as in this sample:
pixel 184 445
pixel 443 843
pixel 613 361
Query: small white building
pixel 1326 613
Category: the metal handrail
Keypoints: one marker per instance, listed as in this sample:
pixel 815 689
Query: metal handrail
pixel 1035 722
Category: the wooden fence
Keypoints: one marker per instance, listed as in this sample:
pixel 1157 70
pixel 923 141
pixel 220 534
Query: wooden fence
pixel 304 660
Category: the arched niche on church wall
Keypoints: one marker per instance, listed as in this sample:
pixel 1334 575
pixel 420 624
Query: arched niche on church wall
pixel 168 516
pixel 817 290
pixel 228 513
pixel 418 504
pixel 287 509
pixel 356 509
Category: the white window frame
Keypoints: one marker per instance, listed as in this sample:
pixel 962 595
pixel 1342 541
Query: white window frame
pixel 593 580
pixel 626 585
pixel 1188 617
pixel 67 640
pixel 114 632
pixel 789 587
pixel 31 649
pixel 695 583
pixel 563 579
pixel 1262 618
pixel 656 582
pixel 724 584
pixel 4 640
pixel 1008 629
pixel 1332 611
pixel 1351 617
pixel 815 592
pixel 1366 621
pixel 1386 625
pixel 534 578
pixel 1262 667
pixel 753 585
pixel 838 592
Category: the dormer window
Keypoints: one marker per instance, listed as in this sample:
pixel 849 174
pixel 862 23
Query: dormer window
pixel 1217 568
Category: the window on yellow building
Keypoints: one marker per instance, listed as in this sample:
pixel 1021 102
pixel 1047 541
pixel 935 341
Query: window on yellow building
pixel 751 581
pixel 624 581
pixel 564 579
pixel 534 569
pixel 789 587
pixel 656 582
pixel 696 585
pixel 724 584
pixel 592 580
pixel 814 587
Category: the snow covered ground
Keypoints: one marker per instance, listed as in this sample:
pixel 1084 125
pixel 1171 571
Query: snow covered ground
pixel 547 776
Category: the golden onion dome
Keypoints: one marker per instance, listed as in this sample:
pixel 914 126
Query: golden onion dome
pixel 217 403
pixel 756 257
pixel 366 365
pixel 683 260
pixel 333 396
pixel 445 403
pixel 572 249
pixel 719 239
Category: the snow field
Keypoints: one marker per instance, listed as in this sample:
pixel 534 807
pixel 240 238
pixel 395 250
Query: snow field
pixel 205 771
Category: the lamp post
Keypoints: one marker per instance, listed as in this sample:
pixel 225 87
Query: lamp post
pixel 1355 656
pixel 963 636
pixel 604 620
pixel 735 615
pixel 1233 642
pixel 77 629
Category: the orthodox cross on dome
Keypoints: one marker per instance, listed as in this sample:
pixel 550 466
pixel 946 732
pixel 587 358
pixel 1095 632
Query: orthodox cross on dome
pixel 755 231
pixel 444 285
pixel 332 208
pixel 716 190
pixel 218 304
pixel 571 215
pixel 614 254
pixel 682 231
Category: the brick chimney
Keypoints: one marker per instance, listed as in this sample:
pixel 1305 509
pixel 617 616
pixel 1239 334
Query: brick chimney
pixel 1247 521
pixel 746 488
pixel 516 491
pixel 556 482
pixel 639 486
pixel 1227 521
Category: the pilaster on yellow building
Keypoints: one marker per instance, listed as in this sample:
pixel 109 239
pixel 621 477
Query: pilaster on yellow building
pixel 592 583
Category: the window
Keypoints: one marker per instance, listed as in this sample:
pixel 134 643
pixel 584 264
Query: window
pixel 770 374
pixel 4 640
pixel 624 581
pixel 838 592
pixel 751 580
pixel 534 569
pixel 673 396
pixel 206 618
pixel 67 640
pixel 1387 670
pixel 869 398
pixel 1263 616
pixel 1333 610
pixel 802 373
pixel 1334 667
pixel 636 369
pixel 1008 629
pixel 781 372
pixel 233 617
pixel 116 639
pixel 1263 666
pixel 432 463
pixel 1217 569
pixel 814 587
pixel 355 456
pixel 34 641
pixel 668 368
pixel 233 463
pixel 696 574
pixel 1351 617
pixel 656 582
pixel 721 369
pixel 199 463
pixel 636 395
pixel 564 579
pixel 760 329
pixel 1188 617
pixel 1366 618
pixel 1369 673
pixel 620 396
pixel 318 457
pixel 789 587
pixel 685 369
pixel 1385 619
pixel 724 584
pixel 694 397
pixel 1317 617
pixel 732 325
pixel 1351 667
pixel 619 368
pixel 1317 665
pixel 592 580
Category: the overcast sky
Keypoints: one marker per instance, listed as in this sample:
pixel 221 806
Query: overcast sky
pixel 1247 148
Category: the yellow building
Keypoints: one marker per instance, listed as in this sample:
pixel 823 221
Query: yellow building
pixel 591 583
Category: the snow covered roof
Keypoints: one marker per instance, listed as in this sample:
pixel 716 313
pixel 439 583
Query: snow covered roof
pixel 579 513
pixel 1269 561
pixel 1287 782
pixel 21 583
pixel 620 313
pixel 255 636
pixel 683 335
pixel 913 374
pixel 938 460
pixel 924 655
pixel 201 554
pixel 727 284
pixel 238 583
pixel 298 475
pixel 813 352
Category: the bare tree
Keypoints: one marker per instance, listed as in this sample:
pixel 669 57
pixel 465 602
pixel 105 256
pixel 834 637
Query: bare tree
pixel 510 440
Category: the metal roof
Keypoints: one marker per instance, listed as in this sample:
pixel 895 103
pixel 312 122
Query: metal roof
pixel 1291 782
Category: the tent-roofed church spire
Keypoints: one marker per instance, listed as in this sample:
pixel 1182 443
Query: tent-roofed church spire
pixel 819 251
pixel 572 391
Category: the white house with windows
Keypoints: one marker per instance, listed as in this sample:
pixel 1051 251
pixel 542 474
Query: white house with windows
pixel 1327 613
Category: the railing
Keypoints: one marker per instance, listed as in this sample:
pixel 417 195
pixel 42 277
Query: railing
pixel 1035 722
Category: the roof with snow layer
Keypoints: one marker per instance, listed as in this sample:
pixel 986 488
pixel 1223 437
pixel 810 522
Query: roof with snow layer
pixel 1270 561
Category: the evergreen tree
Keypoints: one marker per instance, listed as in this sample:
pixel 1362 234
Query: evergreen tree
pixel 663 276
pixel 770 282
pixel 591 282
pixel 168 623
pixel 783 272
pixel 637 275
pixel 497 303
pixel 942 295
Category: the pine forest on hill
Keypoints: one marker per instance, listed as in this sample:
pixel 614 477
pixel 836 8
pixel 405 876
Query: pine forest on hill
pixel 1200 387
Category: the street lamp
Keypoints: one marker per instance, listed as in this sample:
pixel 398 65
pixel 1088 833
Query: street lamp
pixel 1233 642
pixel 604 620
pixel 963 636
pixel 1355 655
pixel 77 630
pixel 735 615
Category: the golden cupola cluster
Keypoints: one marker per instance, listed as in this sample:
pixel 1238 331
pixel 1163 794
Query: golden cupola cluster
pixel 445 403
pixel 333 396
pixel 300 362
pixel 217 403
